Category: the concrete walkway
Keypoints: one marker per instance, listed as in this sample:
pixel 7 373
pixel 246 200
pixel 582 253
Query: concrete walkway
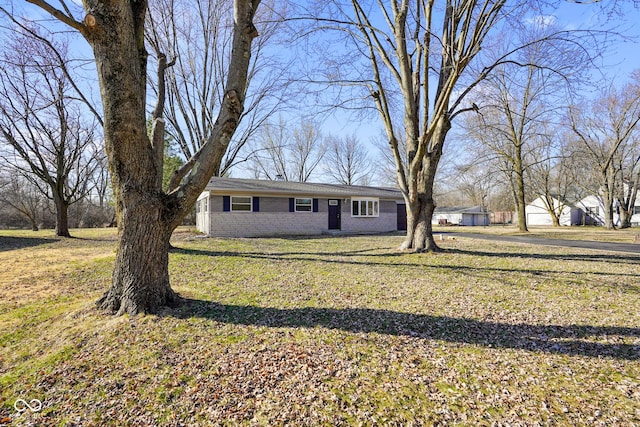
pixel 633 248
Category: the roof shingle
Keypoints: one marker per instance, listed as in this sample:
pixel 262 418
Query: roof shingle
pixel 219 185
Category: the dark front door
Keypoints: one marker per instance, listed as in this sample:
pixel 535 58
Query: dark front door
pixel 334 214
pixel 402 217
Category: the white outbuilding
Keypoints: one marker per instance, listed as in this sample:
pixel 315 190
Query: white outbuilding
pixel 537 213
pixel 461 215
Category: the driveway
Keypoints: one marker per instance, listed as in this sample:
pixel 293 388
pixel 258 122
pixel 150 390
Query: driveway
pixel 633 248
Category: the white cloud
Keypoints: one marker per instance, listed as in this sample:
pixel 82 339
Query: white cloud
pixel 542 20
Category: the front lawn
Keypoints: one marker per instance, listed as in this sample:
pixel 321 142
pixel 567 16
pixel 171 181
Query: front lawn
pixel 323 331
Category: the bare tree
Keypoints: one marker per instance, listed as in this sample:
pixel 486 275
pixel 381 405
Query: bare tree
pixel 509 131
pixel 199 50
pixel 307 150
pixel 288 154
pixel 601 128
pixel 553 178
pixel 146 215
pixel 100 180
pixel 347 161
pixel 417 62
pixel 475 181
pixel 269 158
pixel 42 126
pixel 519 102
pixel 22 196
pixel 628 162
pixel 386 163
pixel 420 67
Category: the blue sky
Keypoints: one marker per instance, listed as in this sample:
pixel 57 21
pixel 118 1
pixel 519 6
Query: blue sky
pixel 619 61
pixel 623 56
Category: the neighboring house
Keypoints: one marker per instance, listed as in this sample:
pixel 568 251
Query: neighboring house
pixel 588 211
pixel 231 207
pixel 537 213
pixel 467 215
pixel 593 208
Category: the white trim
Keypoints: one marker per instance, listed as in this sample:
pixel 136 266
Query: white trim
pixel 295 204
pixel 250 204
pixel 368 207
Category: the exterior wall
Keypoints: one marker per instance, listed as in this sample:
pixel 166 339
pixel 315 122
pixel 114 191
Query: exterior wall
pixel 274 204
pixel 537 214
pixel 591 202
pixel 255 224
pixel 215 204
pixel 470 219
pixel 451 218
pixel 202 213
pixel 387 219
pixel 274 219
pixel 474 219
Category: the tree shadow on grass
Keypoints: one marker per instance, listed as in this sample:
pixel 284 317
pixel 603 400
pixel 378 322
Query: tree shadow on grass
pixel 617 258
pixel 12 243
pixel 572 340
pixel 386 260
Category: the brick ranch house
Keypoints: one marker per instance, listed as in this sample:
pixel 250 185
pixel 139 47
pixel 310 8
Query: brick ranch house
pixel 231 207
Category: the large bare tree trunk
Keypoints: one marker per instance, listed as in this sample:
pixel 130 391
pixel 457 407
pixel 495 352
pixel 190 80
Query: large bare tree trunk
pixel 609 177
pixel 419 229
pixel 141 275
pixel 607 198
pixel 140 281
pixel 520 205
pixel 420 211
pixel 627 200
pixel 420 233
pixel 62 217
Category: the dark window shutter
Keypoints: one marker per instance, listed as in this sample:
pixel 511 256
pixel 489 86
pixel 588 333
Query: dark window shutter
pixel 315 205
pixel 292 204
pixel 256 204
pixel 226 203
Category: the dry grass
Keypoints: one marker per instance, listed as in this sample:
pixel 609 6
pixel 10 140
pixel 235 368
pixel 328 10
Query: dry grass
pixel 325 331
pixel 33 261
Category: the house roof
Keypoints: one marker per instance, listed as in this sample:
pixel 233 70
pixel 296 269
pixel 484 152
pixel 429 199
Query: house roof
pixel 460 210
pixel 218 185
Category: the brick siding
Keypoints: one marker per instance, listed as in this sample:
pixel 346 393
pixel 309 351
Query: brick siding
pixel 275 219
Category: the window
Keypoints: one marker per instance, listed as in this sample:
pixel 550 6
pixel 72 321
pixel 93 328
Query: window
pixel 593 211
pixel 636 210
pixel 304 205
pixel 364 207
pixel 240 204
